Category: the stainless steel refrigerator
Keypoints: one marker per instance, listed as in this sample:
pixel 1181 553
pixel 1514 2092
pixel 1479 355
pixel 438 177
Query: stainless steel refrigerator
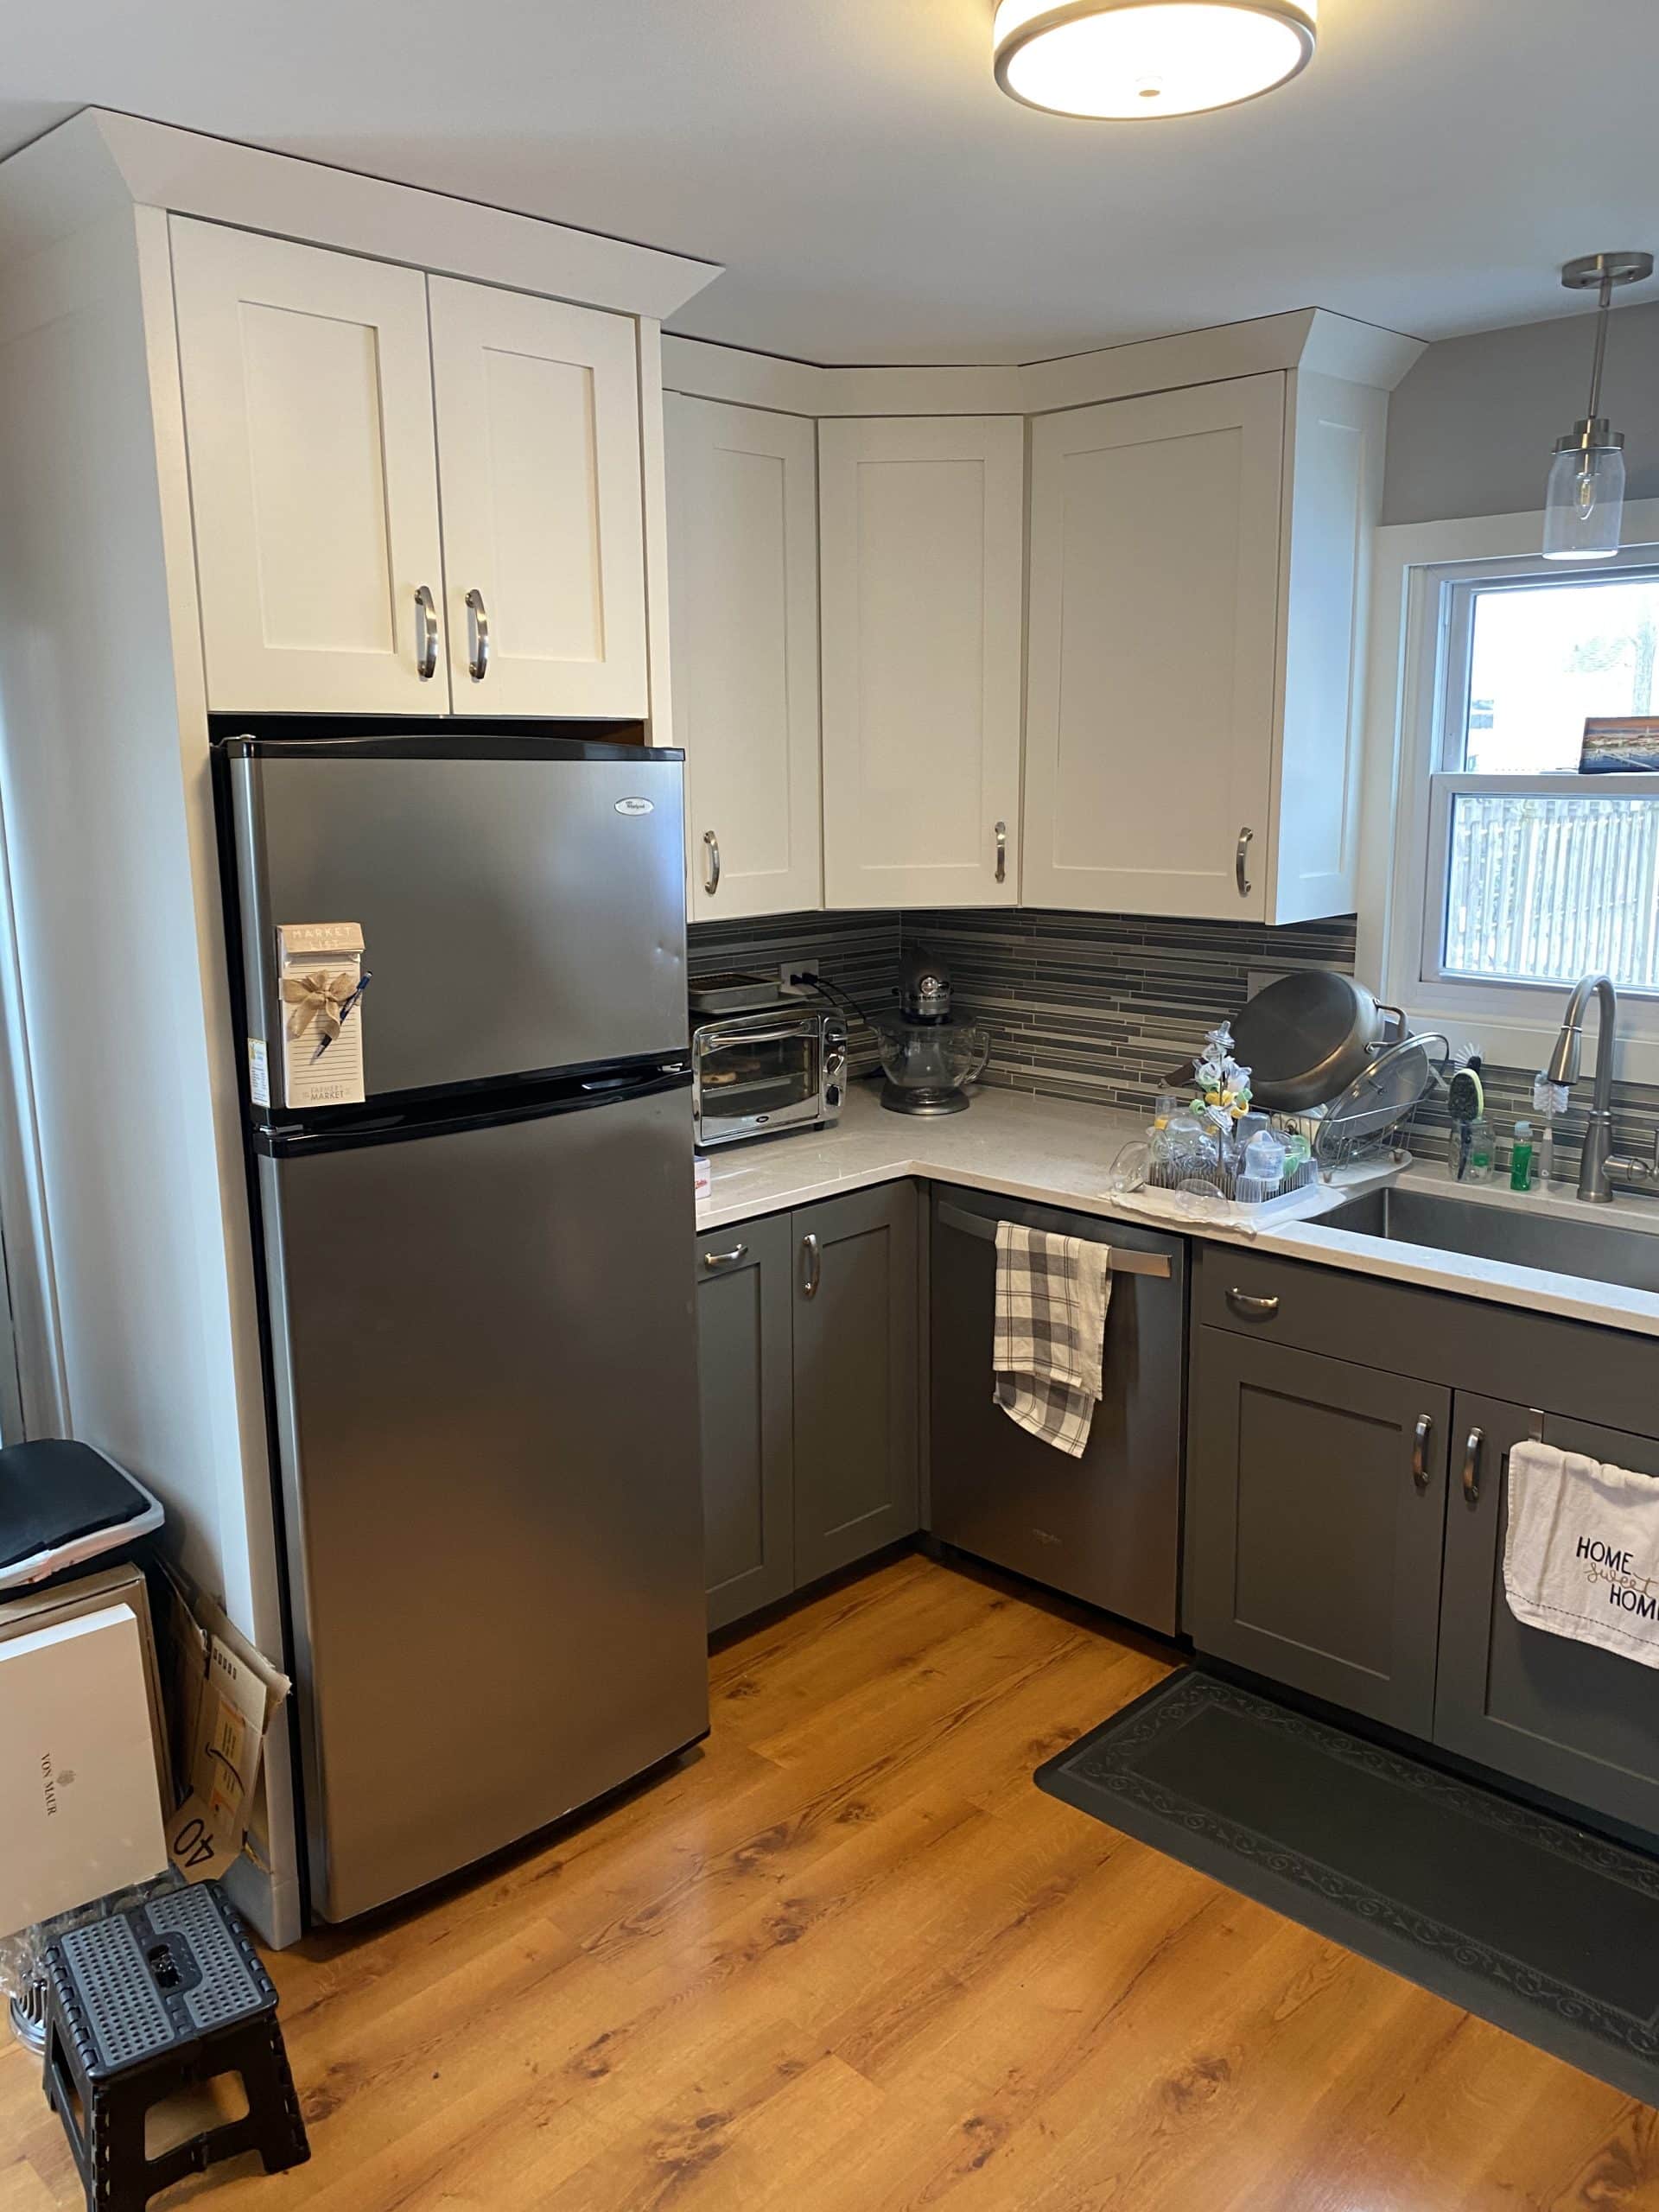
pixel 481 1358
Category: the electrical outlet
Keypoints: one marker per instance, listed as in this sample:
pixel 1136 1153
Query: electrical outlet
pixel 798 978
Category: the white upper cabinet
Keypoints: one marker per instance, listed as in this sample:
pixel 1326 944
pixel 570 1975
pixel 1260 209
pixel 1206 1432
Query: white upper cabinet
pixel 538 454
pixel 922 546
pixel 308 399
pixel 743 592
pixel 1154 589
pixel 1336 433
pixel 1198 596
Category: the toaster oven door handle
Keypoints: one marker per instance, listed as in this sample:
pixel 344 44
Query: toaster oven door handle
pixel 716 1040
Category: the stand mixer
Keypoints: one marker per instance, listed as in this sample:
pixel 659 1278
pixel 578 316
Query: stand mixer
pixel 928 1059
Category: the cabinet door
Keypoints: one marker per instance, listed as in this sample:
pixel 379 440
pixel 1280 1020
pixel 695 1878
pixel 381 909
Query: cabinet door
pixel 855 1377
pixel 922 529
pixel 308 402
pixel 743 1338
pixel 1564 1716
pixel 543 548
pixel 743 591
pixel 1316 1495
pixel 1155 549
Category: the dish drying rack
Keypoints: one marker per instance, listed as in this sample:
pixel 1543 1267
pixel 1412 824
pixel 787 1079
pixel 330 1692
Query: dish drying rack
pixel 1380 1102
pixel 1359 1125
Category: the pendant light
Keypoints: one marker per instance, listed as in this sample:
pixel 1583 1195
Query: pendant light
pixel 1585 503
pixel 1137 58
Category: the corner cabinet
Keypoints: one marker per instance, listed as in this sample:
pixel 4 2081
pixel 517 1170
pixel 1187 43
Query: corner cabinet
pixel 808 1329
pixel 1199 583
pixel 922 529
pixel 743 594
pixel 328 399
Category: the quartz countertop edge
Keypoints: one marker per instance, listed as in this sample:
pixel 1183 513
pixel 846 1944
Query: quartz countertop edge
pixel 1058 1151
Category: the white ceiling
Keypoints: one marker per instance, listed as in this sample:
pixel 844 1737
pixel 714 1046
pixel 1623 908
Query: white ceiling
pixel 876 198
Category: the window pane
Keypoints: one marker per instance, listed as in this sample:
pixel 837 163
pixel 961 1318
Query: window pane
pixel 1545 890
pixel 1542 656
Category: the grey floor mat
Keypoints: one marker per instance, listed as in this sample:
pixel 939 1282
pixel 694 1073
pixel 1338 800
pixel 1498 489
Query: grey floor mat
pixel 1549 1929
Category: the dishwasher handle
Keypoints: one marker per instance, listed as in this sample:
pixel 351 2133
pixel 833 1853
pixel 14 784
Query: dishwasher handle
pixel 1125 1261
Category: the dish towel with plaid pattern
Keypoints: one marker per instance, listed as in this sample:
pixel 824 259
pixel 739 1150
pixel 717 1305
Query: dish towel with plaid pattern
pixel 1051 1296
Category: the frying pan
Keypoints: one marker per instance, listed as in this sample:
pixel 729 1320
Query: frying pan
pixel 1305 1037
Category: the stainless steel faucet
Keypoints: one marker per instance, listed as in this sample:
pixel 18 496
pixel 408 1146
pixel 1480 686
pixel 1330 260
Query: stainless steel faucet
pixel 1596 1164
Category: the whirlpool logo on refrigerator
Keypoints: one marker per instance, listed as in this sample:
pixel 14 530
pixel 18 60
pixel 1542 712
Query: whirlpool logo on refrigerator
pixel 636 807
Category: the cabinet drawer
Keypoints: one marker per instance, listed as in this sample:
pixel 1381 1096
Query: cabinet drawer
pixel 1575 1368
pixel 1318 1309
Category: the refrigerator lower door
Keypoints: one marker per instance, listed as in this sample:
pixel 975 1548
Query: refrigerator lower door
pixel 484 1370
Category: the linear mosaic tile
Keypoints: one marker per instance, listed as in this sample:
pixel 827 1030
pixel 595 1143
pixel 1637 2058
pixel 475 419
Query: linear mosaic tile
pixel 1103 1006
pixel 858 953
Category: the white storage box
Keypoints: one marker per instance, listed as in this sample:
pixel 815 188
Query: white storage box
pixel 80 1811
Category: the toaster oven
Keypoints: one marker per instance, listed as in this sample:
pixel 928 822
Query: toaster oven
pixel 757 1075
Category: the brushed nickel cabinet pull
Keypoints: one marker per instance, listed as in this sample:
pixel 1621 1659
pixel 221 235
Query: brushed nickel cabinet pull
pixel 426 634
pixel 710 862
pixel 1419 1436
pixel 478 642
pixel 724 1259
pixel 811 1267
pixel 1240 863
pixel 1471 1452
pixel 1252 1309
pixel 1002 852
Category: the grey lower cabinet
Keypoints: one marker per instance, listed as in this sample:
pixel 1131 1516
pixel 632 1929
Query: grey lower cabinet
pixel 747 1389
pixel 1566 1717
pixel 807 1325
pixel 857 1420
pixel 1345 1520
pixel 1316 1497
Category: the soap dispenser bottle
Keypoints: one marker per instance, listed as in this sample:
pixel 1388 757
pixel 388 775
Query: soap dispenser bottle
pixel 1521 1158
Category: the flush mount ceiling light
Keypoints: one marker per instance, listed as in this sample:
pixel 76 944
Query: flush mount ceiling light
pixel 1139 58
pixel 1584 505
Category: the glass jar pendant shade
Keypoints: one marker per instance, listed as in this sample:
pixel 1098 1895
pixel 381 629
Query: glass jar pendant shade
pixel 1133 59
pixel 1584 504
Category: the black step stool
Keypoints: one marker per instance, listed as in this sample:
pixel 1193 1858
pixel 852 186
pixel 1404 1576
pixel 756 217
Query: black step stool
pixel 140 2006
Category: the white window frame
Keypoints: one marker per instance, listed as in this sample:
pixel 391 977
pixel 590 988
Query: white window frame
pixel 1407 789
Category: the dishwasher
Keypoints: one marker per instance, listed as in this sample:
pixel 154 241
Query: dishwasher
pixel 1106 1527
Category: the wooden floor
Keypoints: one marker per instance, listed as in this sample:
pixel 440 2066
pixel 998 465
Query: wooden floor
pixel 849 1958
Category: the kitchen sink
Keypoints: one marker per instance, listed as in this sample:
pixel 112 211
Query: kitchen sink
pixel 1597 1250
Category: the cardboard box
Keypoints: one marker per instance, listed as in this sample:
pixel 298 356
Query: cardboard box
pixel 80 1806
pixel 123 1584
pixel 224 1693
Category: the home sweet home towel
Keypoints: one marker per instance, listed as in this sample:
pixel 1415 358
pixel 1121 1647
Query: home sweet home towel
pixel 1581 1551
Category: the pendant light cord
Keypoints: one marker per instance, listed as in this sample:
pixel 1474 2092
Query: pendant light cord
pixel 1600 355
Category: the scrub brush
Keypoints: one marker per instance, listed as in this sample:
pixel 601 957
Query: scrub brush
pixel 1465 1103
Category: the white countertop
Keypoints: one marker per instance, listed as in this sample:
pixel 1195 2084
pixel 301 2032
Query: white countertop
pixel 1054 1152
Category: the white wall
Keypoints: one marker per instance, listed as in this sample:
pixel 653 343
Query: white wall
pixel 100 827
pixel 1471 428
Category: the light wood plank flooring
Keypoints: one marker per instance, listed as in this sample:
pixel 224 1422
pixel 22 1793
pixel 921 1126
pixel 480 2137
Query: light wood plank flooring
pixel 848 1960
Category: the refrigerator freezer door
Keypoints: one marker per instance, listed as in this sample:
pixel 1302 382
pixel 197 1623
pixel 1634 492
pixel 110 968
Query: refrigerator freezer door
pixel 486 1397
pixel 518 913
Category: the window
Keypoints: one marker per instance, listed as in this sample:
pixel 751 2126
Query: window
pixel 1543 858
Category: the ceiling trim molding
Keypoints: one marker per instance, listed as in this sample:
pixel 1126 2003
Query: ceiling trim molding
pixel 99 162
pixel 1308 338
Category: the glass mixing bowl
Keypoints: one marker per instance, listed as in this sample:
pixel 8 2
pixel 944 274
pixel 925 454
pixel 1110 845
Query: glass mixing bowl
pixel 928 1065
